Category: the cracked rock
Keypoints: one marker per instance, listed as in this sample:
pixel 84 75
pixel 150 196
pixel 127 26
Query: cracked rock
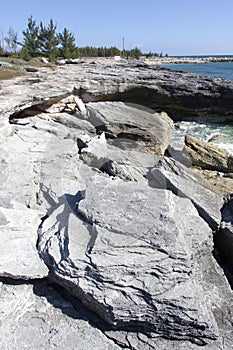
pixel 184 182
pixel 132 125
pixel 36 316
pixel 133 263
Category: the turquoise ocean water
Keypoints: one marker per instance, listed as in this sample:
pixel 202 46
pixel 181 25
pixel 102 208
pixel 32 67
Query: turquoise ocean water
pixel 221 135
pixel 213 69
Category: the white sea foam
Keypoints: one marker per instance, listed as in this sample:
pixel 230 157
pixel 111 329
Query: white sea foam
pixel 220 135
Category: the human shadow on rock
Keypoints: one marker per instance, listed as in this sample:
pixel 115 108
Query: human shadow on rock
pixel 61 299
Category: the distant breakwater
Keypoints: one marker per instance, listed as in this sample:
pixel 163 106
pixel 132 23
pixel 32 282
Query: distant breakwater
pixel 181 60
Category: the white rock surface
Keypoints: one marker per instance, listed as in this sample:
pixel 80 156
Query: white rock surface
pixel 130 261
pixel 184 182
pixel 140 257
pixel 36 316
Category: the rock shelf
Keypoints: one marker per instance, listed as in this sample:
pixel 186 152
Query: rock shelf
pixel 108 242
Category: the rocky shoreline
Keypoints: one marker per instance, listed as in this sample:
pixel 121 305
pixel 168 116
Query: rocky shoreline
pixel 109 238
pixel 183 96
pixel 153 60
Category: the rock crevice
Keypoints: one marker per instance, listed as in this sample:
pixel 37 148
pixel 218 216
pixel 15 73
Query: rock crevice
pixel 89 202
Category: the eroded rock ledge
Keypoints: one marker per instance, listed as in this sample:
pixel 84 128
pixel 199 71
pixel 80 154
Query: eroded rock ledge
pixel 90 202
pixel 181 95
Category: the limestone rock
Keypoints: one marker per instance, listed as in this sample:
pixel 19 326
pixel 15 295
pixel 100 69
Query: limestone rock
pixel 172 175
pixel 222 182
pixel 5 64
pixel 133 263
pixel 20 215
pixel 67 103
pixel 35 172
pixel 44 60
pixel 181 95
pixel 132 123
pixel 126 164
pixel 69 61
pixel 72 121
pixel 41 316
pixel 36 316
pixel 140 257
pixel 19 255
pixel 208 156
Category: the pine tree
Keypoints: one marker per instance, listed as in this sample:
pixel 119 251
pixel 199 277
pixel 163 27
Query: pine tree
pixel 136 53
pixel 67 42
pixel 48 40
pixel 30 38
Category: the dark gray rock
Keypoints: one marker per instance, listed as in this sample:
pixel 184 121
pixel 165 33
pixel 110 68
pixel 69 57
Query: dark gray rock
pixel 31 69
pixel 184 182
pixel 182 95
pixel 224 237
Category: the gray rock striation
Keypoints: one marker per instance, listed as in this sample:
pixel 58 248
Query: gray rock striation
pixel 122 123
pixel 105 242
pixel 138 268
pixel 181 95
pixel 208 156
pixel 185 183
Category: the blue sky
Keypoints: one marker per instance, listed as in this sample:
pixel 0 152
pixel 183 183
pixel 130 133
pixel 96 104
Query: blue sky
pixel 176 27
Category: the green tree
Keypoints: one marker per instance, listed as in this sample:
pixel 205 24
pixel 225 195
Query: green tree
pixel 135 53
pixel 30 38
pixel 49 40
pixel 67 42
pixel 113 51
pixel 101 51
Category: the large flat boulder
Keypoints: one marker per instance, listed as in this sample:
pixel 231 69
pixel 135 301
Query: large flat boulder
pixel 132 125
pixel 184 182
pixel 19 214
pixel 19 255
pixel 34 174
pixel 127 164
pixel 132 262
